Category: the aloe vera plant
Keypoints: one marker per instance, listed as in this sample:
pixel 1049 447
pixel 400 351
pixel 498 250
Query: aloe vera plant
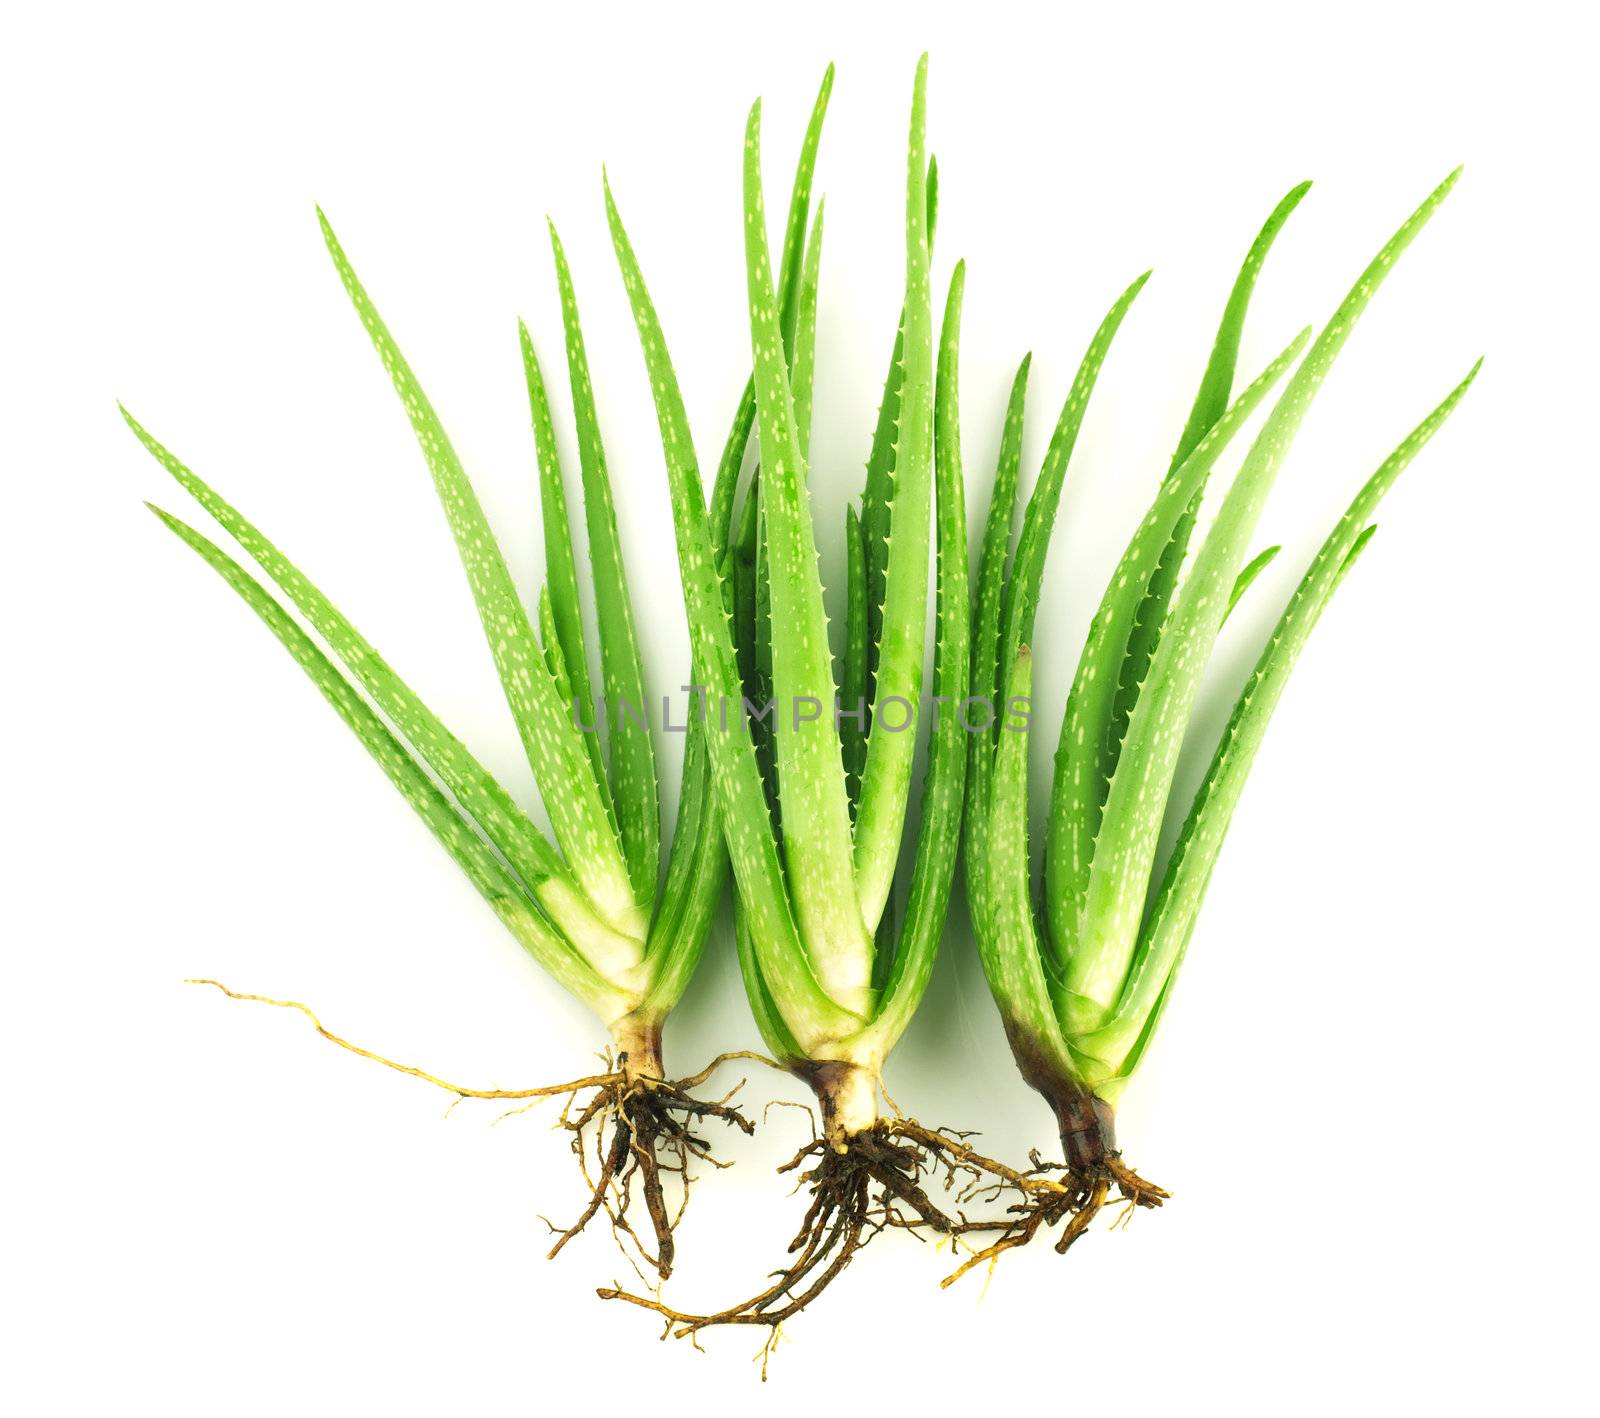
pixel 594 907
pixel 798 767
pixel 815 803
pixel 1083 969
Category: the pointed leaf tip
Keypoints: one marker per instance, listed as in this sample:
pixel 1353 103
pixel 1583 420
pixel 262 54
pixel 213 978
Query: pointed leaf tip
pixel 176 524
pixel 152 444
pixel 1358 546
pixel 1290 200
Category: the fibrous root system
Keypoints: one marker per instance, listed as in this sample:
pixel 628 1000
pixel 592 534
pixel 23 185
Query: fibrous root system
pixel 634 1132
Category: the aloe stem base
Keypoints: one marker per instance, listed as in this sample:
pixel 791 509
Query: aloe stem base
pixel 847 1094
pixel 1082 1184
pixel 1093 1164
pixel 636 1046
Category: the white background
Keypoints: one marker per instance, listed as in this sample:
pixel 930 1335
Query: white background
pixel 1373 1098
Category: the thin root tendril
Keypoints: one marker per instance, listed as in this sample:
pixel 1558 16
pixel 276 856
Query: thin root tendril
pixel 631 1134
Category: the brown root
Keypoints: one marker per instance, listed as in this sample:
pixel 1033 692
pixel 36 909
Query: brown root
pixel 634 1132
pixel 861 1184
pixel 1093 1168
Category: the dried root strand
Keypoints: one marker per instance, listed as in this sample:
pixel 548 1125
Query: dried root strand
pixel 631 1132
pixel 459 1089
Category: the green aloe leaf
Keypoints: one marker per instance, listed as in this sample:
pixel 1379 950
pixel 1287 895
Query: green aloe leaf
pixel 804 361
pixel 853 691
pixel 725 490
pixel 795 250
pixel 1008 939
pixel 752 849
pixel 764 685
pixel 696 873
pixel 635 791
pixel 555 658
pixel 1210 403
pixel 933 871
pixel 886 779
pixel 742 572
pixel 697 866
pixel 699 812
pixel 1125 847
pixel 750 638
pixel 769 1021
pixel 1080 787
pixel 816 844
pixel 1027 566
pixel 1246 578
pixel 1189 870
pixel 1216 385
pixel 725 486
pixel 878 495
pixel 566 783
pixel 986 687
pixel 513 833
pixel 561 568
pixel 471 853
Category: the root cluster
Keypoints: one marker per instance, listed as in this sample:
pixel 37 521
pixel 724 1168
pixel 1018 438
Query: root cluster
pixel 631 1133
pixel 1083 1192
pixel 871 1181
pixel 635 1136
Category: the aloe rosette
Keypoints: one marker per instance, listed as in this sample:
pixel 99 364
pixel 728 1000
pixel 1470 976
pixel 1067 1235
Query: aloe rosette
pixel 813 771
pixel 593 907
pixel 1083 967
